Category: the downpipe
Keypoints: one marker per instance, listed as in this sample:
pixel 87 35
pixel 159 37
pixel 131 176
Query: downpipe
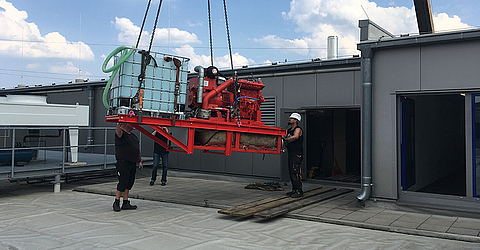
pixel 366 128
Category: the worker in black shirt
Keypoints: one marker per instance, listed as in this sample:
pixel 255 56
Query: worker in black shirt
pixel 294 141
pixel 127 153
pixel 159 152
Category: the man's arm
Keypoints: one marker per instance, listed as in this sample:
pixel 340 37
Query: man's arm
pixel 296 134
pixel 119 130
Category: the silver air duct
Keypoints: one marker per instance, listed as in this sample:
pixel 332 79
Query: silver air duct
pixel 332 47
pixel 201 72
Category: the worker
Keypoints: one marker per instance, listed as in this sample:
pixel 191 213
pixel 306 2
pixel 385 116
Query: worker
pixel 294 139
pixel 127 153
pixel 159 152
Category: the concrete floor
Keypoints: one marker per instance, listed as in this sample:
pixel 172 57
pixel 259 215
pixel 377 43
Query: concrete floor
pixel 183 215
pixel 33 217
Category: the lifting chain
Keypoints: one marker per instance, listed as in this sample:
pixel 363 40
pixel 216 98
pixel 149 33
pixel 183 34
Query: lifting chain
pixel 146 57
pixel 210 29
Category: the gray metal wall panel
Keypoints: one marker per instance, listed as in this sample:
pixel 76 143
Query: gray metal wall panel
pixel 299 91
pixel 239 163
pixel 397 69
pixel 358 88
pixel 274 87
pixel 335 89
pixel 449 66
pixel 267 165
pixel 190 162
pixel 212 163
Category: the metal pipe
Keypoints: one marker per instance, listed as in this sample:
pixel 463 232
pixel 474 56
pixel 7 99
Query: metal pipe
pixel 13 154
pixel 91 115
pixel 216 91
pixel 366 125
pixel 201 73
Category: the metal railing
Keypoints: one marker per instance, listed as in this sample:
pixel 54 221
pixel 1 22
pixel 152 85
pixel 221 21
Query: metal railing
pixel 98 156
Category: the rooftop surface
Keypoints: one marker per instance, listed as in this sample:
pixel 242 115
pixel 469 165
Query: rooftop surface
pixel 183 215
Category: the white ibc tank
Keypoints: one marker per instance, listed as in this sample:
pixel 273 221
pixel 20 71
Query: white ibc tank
pixel 160 80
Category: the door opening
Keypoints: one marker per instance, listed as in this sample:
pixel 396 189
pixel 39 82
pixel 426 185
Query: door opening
pixel 433 144
pixel 333 145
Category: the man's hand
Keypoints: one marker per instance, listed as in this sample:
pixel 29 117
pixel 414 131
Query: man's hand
pixel 140 165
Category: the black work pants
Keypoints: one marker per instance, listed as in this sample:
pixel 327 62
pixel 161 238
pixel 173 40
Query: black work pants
pixel 126 174
pixel 294 161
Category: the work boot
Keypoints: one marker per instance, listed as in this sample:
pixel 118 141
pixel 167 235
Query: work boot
pixel 127 206
pixel 297 194
pixel 116 206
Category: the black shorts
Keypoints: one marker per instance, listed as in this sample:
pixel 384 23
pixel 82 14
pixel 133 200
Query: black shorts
pixel 126 174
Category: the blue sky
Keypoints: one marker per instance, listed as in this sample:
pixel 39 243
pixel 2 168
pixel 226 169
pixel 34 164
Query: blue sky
pixel 57 41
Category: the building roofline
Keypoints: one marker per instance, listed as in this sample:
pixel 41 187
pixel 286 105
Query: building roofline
pixel 41 89
pixel 435 38
pixel 278 69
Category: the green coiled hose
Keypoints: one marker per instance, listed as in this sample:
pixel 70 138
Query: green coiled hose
pixel 114 68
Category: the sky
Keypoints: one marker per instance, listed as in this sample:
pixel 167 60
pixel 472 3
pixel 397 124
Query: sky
pixel 58 41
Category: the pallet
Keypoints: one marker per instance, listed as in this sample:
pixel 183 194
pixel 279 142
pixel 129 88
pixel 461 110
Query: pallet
pixel 255 207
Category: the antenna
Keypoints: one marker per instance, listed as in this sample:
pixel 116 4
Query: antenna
pixel 364 12
pixel 80 48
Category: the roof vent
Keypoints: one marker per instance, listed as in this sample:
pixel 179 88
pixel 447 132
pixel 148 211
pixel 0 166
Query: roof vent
pixel 332 47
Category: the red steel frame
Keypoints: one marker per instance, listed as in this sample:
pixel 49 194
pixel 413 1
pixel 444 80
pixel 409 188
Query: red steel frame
pixel 232 129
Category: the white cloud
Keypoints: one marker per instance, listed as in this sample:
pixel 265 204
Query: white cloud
pixel 443 22
pixel 219 62
pixel 32 66
pixel 129 34
pixel 21 38
pixel 68 69
pixel 299 46
pixel 318 19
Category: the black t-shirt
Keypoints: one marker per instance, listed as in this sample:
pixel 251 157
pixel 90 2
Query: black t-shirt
pixel 126 147
pixel 157 149
pixel 297 145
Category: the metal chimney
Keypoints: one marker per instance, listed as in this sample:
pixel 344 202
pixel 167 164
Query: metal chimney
pixel 332 47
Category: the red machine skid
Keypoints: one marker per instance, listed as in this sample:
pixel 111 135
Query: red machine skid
pixel 233 133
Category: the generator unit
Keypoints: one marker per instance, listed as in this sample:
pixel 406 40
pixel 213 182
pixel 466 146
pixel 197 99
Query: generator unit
pixel 211 112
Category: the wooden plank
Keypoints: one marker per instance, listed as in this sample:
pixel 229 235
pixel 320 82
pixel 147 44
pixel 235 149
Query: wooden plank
pixel 234 209
pixel 281 210
pixel 241 207
pixel 251 211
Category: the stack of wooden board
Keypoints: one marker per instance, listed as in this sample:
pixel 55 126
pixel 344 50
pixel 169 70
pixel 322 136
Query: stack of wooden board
pixel 276 206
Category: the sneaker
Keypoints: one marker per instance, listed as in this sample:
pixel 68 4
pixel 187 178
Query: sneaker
pixel 151 183
pixel 127 206
pixel 116 206
pixel 163 183
pixel 297 194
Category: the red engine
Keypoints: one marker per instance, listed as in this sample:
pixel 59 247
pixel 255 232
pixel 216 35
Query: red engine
pixel 219 101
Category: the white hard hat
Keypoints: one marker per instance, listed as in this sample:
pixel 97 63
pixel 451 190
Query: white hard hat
pixel 296 116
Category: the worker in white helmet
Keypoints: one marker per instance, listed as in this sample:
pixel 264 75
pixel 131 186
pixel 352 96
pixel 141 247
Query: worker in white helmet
pixel 294 141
